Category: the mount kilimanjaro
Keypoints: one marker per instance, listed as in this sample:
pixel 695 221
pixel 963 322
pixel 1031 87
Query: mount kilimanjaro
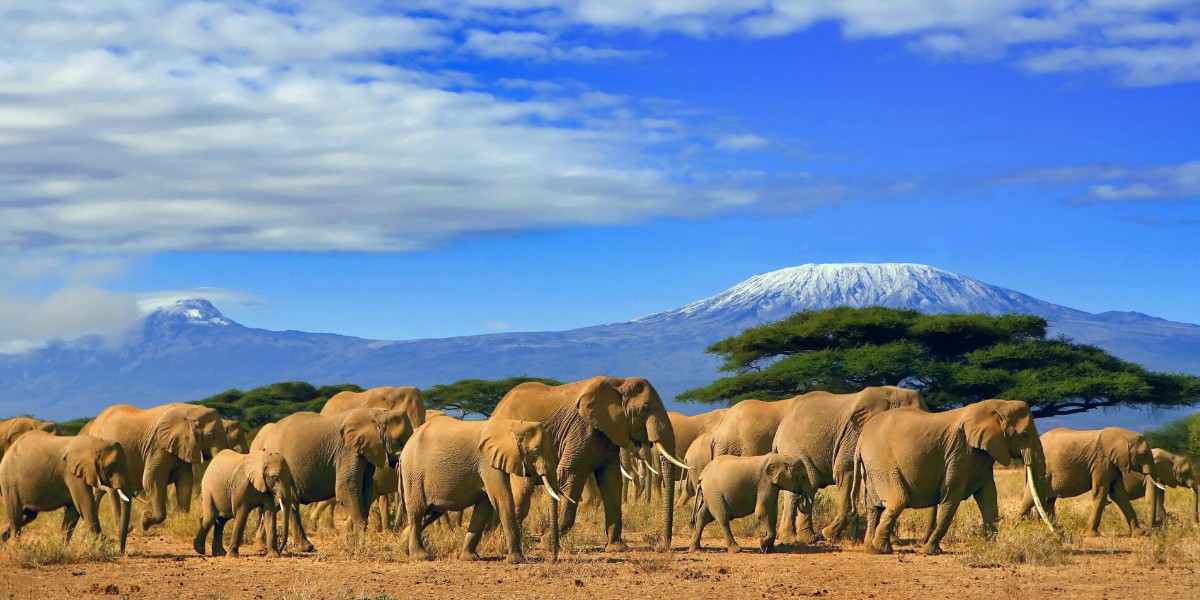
pixel 189 350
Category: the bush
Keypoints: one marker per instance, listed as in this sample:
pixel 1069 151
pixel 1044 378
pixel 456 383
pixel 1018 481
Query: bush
pixel 33 551
pixel 1018 541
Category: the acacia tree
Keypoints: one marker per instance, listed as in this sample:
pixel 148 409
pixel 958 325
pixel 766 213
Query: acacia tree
pixel 952 359
pixel 475 396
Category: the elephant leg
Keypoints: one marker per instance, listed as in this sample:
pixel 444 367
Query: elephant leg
pixel 1099 499
pixel 382 504
pixel 1155 499
pixel 1050 503
pixel 239 527
pixel 881 543
pixel 703 518
pixel 183 488
pixel 70 519
pixel 787 524
pixel 721 516
pixel 989 507
pixel 945 514
pixel 1121 498
pixel 768 511
pixel 608 479
pixel 841 518
pixel 416 509
pixel 930 526
pixel 298 527
pixel 522 488
pixel 207 520
pixel 479 520
pixel 500 495
pixel 85 504
pixel 218 543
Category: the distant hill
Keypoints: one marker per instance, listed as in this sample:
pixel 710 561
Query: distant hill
pixel 190 350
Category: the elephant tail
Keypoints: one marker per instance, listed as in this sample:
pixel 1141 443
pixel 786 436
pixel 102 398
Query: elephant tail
pixel 857 474
pixel 697 504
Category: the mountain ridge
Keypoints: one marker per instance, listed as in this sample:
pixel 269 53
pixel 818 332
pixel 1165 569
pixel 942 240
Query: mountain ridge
pixel 189 349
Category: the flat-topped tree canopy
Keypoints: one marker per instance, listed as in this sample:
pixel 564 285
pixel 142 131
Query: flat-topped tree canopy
pixel 952 359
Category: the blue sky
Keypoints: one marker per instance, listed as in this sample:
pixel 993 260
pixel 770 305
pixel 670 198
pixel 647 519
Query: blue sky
pixel 409 169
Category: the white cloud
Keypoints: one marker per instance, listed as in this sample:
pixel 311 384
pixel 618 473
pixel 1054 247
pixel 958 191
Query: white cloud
pixel 1114 183
pixel 496 325
pixel 745 141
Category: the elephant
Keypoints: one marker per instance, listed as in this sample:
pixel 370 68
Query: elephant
pixel 43 472
pixel 162 445
pixel 748 427
pixel 1096 460
pixel 452 465
pixel 698 456
pixel 335 456
pixel 11 429
pixel 822 429
pixel 688 428
pixel 590 421
pixel 736 486
pixel 908 458
pixel 1173 471
pixel 237 442
pixel 236 484
pixel 406 399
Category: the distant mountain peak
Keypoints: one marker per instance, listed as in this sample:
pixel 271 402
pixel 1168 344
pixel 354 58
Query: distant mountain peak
pixel 779 293
pixel 190 311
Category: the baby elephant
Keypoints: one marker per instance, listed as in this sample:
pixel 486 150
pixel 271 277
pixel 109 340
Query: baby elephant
pixel 43 472
pixel 738 486
pixel 236 484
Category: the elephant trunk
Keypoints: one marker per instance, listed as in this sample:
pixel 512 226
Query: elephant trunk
pixel 126 508
pixel 668 499
pixel 554 530
pixel 287 520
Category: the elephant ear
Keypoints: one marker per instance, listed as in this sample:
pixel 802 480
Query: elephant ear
pixel 602 406
pixel 256 472
pixel 364 437
pixel 1117 447
pixel 179 435
pixel 83 462
pixel 984 430
pixel 865 407
pixel 778 470
pixel 500 443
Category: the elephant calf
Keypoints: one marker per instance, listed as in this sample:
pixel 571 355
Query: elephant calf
pixel 43 471
pixel 452 465
pixel 738 486
pixel 1174 471
pixel 236 484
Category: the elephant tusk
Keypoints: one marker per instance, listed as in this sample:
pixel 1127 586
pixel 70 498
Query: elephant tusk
pixel 667 455
pixel 550 489
pixel 123 496
pixel 1037 501
pixel 279 501
pixel 626 473
pixel 1156 483
pixel 647 463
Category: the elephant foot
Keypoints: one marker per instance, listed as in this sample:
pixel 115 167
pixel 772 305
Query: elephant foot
pixel 273 553
pixel 218 552
pixel 872 548
pixel 664 547
pixel 808 537
pixel 931 549
pixel 616 546
pixel 733 548
pixel 765 546
pixel 694 548
pixel 514 558
pixel 199 546
pixel 146 522
pixel 468 555
pixel 830 533
pixel 234 553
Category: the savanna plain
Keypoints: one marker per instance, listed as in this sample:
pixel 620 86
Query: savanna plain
pixel 1023 560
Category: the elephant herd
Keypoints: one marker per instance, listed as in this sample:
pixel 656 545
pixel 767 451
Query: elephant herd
pixel 880 446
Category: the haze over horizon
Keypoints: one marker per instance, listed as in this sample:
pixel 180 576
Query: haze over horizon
pixel 407 170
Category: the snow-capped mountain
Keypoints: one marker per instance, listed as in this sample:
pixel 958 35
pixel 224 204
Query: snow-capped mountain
pixel 186 350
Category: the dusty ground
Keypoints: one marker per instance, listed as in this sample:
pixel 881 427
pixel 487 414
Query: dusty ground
pixel 1096 570
pixel 162 565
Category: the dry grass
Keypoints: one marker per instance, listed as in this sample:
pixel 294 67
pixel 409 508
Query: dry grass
pixel 1017 541
pixel 39 550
